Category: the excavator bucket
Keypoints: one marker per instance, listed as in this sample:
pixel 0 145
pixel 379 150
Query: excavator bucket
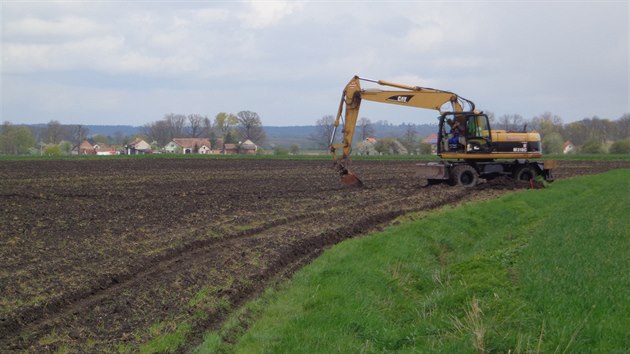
pixel 348 178
pixel 351 180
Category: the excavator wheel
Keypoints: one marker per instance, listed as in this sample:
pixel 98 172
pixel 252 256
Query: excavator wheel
pixel 524 173
pixel 464 176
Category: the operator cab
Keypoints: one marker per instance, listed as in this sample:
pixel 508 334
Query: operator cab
pixel 464 132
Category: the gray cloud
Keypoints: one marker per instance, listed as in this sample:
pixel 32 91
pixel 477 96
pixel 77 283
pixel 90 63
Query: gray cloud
pixel 131 63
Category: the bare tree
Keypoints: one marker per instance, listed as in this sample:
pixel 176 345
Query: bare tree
pixel 54 132
pixel 323 131
pixel 366 129
pixel 79 133
pixel 206 127
pixel 195 125
pixel 491 117
pixel 250 127
pixel 623 127
pixel 408 138
pixel 159 131
pixel 511 122
pixel 176 124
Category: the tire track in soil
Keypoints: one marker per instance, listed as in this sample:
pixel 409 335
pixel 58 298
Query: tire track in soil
pixel 37 314
pixel 287 255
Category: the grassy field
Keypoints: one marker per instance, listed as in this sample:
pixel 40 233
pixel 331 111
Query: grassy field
pixel 540 271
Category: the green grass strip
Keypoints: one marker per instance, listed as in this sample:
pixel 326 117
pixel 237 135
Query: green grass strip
pixel 535 271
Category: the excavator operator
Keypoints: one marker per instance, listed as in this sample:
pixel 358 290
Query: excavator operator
pixel 457 138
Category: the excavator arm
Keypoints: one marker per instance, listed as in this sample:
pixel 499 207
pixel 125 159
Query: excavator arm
pixel 413 96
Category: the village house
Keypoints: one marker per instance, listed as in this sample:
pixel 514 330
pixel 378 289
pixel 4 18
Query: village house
pixel 248 148
pixel 568 147
pixel 230 149
pixel 431 140
pixel 188 146
pixel 138 147
pixel 104 149
pixel 245 148
pixel 85 148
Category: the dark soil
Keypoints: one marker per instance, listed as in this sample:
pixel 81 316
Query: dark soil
pixel 106 255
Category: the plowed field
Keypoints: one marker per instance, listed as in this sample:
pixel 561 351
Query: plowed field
pixel 108 255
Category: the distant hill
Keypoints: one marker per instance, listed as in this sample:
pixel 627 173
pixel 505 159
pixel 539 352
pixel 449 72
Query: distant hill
pixel 295 135
pixel 112 130
pixel 106 130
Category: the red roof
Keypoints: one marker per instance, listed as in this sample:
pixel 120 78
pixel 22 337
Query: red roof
pixel 431 139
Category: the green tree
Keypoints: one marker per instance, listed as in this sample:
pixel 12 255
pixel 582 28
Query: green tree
pixel 52 150
pixel 592 146
pixel 294 149
pixel 425 149
pixel 65 147
pixel 224 123
pixel 15 140
pixel 552 143
pixel 620 147
pixel 280 150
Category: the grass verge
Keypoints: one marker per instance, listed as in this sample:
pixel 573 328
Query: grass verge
pixel 536 271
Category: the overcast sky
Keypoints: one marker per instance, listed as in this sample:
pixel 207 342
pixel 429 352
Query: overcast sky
pixel 119 62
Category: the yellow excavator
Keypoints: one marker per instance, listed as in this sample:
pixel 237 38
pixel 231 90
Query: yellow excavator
pixel 467 145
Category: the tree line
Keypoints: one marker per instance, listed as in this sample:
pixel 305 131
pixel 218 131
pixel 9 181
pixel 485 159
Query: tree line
pixel 590 135
pixel 60 139
pixel 21 140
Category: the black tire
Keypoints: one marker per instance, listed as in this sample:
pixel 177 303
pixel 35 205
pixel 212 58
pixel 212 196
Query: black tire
pixel 464 175
pixel 525 173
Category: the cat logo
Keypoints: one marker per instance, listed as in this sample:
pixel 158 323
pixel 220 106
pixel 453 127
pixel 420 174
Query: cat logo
pixel 400 98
